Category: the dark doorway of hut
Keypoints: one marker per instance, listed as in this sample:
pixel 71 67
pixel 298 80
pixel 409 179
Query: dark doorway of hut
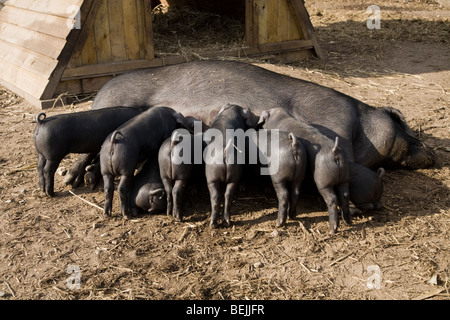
pixel 189 28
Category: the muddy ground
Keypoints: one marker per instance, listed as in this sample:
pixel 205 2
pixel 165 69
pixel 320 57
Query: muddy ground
pixel 402 250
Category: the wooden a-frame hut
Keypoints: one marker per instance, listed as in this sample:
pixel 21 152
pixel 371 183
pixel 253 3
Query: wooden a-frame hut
pixel 49 47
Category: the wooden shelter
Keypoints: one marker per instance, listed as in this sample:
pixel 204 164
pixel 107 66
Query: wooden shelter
pixel 49 47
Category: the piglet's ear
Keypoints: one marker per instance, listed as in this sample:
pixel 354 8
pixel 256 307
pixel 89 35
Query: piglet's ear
pixel 189 123
pixel 158 193
pixel 248 116
pixel 223 108
pixel 336 146
pixel 262 119
pixel 184 122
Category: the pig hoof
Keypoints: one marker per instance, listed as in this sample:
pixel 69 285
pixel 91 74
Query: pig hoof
pixel 280 223
pixel 333 229
pixel 347 218
pixel 213 225
pixel 50 194
pixel 226 223
pixel 355 212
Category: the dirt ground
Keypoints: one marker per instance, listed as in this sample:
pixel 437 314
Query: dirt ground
pixel 401 251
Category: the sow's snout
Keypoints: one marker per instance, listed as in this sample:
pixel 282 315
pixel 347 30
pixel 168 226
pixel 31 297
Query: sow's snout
pixel 419 156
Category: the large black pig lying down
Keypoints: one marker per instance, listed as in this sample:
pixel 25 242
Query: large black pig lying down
pixel 374 137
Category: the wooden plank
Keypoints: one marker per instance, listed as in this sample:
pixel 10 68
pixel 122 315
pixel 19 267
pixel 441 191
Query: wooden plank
pixel 147 30
pixel 71 86
pixel 283 18
pixel 89 51
pixel 249 23
pixel 140 21
pixel 24 94
pixel 28 60
pixel 105 69
pixel 102 34
pixel 117 30
pixel 131 30
pixel 295 28
pixel 86 41
pixel 23 79
pixel 262 21
pixel 36 21
pixel 121 67
pixel 75 39
pixel 31 40
pixel 94 84
pixel 272 21
pixel 303 19
pixel 59 8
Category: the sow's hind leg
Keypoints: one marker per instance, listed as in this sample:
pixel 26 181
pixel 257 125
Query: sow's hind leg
pixel 75 176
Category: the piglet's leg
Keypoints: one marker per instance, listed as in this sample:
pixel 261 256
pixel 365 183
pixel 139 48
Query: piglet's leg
pixel 75 176
pixel 49 176
pixel 168 186
pixel 283 203
pixel 229 191
pixel 177 192
pixel 214 194
pixel 343 195
pixel 124 190
pixel 109 193
pixel 330 198
pixel 293 200
pixel 40 170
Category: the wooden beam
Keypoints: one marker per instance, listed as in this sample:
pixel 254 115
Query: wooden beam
pixel 251 23
pixel 303 17
pixel 121 67
pixel 75 40
pixel 149 40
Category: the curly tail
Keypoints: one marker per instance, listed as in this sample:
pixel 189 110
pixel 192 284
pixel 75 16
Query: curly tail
pixel 294 146
pixel 40 118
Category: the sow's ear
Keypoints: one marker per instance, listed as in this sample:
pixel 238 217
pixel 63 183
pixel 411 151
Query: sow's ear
pixel 262 119
pixel 397 116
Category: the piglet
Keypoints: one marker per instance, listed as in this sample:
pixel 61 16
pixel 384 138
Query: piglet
pixel 288 160
pixel 180 161
pixel 366 186
pixel 133 142
pixel 80 132
pixel 223 142
pixel 147 191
